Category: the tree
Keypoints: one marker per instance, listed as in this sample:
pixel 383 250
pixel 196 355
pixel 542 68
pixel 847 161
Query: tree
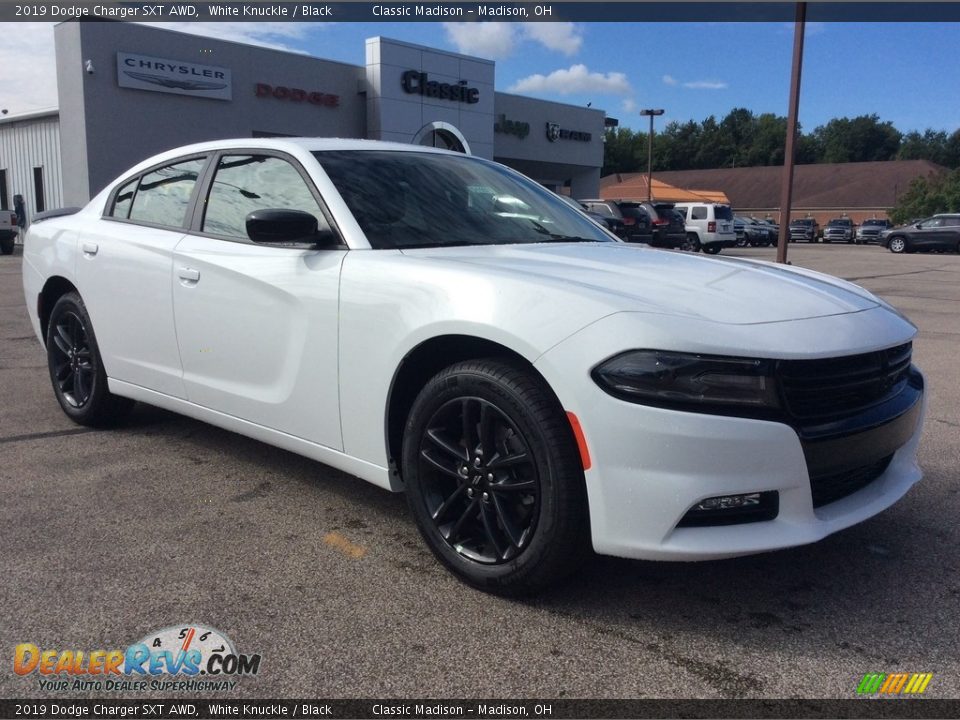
pixel 931 145
pixel 861 139
pixel 928 196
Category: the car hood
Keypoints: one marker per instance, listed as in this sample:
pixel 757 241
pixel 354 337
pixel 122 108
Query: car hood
pixel 632 278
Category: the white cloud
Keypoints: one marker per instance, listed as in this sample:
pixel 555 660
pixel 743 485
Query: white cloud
pixel 266 34
pixel 576 79
pixel 498 40
pixel 563 37
pixel 493 40
pixel 28 71
pixel 705 85
pixel 629 105
pixel 669 80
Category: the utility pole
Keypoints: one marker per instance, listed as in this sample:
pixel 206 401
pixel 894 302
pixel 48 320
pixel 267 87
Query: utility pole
pixel 650 113
pixel 786 186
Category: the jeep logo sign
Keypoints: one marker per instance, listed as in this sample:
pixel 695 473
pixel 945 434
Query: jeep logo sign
pixel 511 127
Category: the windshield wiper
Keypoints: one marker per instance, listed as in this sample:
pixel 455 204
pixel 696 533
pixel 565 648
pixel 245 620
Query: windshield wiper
pixel 555 238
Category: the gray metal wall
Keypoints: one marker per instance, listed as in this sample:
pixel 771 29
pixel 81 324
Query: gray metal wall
pixel 109 128
pixel 26 143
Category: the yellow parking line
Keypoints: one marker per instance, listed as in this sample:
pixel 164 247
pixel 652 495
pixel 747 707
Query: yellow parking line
pixel 339 542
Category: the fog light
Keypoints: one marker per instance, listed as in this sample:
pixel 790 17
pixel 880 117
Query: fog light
pixel 733 509
pixel 725 502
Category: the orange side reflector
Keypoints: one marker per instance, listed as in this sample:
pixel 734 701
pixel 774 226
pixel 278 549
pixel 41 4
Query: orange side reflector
pixel 581 441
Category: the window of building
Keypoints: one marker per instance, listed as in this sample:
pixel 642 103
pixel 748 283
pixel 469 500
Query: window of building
pixel 245 183
pixel 39 199
pixel 163 195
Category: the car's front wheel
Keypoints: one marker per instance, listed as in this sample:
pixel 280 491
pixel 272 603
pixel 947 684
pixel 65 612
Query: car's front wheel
pixel 897 245
pixel 76 368
pixel 494 478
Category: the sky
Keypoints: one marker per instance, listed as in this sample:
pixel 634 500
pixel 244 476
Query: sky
pixel 906 73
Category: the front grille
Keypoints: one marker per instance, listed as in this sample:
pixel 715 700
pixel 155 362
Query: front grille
pixel 820 390
pixel 830 488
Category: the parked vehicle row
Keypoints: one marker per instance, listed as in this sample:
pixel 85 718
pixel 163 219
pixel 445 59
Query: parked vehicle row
pixel 753 232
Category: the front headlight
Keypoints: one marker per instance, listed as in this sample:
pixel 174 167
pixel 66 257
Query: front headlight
pixel 670 379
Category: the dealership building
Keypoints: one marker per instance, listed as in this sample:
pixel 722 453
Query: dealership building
pixel 126 92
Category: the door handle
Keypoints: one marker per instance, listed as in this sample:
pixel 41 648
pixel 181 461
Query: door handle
pixel 189 274
pixel 90 248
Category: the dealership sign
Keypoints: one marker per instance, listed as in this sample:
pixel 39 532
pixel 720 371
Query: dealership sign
pixel 511 127
pixel 419 83
pixel 555 132
pixel 143 72
pixel 282 92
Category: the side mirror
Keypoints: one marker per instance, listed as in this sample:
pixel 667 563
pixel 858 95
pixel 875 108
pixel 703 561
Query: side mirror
pixel 918 226
pixel 280 226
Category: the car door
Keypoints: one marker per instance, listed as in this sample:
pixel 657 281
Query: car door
pixel 124 272
pixel 257 324
pixel 929 234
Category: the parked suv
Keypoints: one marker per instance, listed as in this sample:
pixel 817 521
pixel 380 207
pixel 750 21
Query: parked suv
pixel 870 230
pixel 708 226
pixel 635 219
pixel 666 224
pixel 839 229
pixel 8 231
pixel 804 229
pixel 611 223
pixel 941 232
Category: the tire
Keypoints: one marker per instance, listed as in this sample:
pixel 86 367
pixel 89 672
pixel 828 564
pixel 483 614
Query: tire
pixel 7 245
pixel 76 368
pixel 712 248
pixel 691 243
pixel 741 242
pixel 510 542
pixel 897 245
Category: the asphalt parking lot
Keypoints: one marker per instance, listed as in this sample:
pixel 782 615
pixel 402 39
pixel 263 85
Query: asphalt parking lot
pixel 108 535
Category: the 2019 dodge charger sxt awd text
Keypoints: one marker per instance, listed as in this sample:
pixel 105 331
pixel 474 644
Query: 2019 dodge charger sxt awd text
pixel 442 325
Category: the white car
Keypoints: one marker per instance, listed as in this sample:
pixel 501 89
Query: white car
pixel 440 324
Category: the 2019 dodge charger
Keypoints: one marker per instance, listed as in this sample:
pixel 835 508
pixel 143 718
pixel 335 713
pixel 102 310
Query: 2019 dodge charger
pixel 439 324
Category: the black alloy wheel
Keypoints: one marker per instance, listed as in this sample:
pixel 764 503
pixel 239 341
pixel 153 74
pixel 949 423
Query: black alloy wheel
pixel 72 370
pixel 691 243
pixel 494 479
pixel 480 482
pixel 76 368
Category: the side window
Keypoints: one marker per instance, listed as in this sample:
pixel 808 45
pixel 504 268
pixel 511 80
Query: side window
pixel 123 200
pixel 682 211
pixel 244 183
pixel 163 195
pixel 699 213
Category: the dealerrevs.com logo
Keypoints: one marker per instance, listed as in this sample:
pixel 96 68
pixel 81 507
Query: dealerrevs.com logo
pixel 891 684
pixel 186 657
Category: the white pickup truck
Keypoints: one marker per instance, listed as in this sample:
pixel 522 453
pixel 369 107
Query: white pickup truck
pixel 8 231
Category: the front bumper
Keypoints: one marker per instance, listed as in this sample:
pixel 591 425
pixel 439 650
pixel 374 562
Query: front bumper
pixel 652 465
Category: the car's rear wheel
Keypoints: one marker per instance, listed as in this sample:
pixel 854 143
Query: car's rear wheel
pixel 76 368
pixel 897 245
pixel 494 478
pixel 712 248
pixel 691 243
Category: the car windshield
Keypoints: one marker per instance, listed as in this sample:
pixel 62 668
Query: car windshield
pixel 874 222
pixel 405 199
pixel 843 223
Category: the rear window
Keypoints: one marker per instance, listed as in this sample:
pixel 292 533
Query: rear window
pixel 723 212
pixel 602 209
pixel 635 212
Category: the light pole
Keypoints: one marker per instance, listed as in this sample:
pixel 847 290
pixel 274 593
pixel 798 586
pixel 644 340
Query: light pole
pixel 650 113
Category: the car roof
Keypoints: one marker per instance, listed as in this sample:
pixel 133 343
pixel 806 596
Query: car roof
pixel 296 146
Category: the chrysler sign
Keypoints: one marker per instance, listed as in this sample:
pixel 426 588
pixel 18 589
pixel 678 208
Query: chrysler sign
pixel 143 72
